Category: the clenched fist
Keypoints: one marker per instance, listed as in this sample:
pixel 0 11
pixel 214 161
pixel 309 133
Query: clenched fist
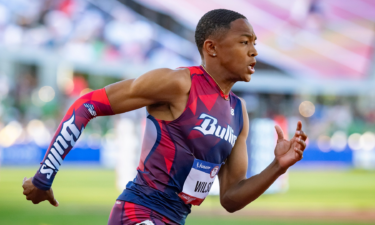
pixel 36 195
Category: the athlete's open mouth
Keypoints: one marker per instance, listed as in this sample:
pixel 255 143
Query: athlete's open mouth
pixel 251 67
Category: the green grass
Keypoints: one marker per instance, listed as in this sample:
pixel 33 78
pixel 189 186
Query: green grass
pixel 327 190
pixel 222 221
pixel 87 196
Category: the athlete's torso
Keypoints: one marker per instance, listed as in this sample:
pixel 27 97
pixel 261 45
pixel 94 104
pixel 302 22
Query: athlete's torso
pixel 206 130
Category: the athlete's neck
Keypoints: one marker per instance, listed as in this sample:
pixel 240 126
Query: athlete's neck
pixel 220 75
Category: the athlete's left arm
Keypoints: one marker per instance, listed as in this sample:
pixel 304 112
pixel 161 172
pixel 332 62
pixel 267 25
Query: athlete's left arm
pixel 235 190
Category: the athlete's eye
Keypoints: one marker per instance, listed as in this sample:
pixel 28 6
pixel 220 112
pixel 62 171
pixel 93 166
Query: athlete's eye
pixel 245 42
pixel 255 43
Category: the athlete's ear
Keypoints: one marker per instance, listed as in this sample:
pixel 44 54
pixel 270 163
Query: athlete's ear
pixel 209 47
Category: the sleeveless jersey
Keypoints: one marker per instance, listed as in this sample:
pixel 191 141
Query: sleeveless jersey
pixel 206 130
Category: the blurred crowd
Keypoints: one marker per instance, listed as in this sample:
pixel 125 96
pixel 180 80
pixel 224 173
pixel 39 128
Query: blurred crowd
pixel 332 122
pixel 32 113
pixel 82 32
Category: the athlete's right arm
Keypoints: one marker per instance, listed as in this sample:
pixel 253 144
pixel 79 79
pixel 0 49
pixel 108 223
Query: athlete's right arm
pixel 162 86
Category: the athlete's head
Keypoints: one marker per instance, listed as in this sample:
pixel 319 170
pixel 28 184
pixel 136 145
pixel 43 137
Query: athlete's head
pixel 227 38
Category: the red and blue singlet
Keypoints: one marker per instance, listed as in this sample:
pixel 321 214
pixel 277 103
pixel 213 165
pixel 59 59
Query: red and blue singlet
pixel 205 133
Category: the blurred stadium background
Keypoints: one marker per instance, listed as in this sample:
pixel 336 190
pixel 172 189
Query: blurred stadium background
pixel 316 64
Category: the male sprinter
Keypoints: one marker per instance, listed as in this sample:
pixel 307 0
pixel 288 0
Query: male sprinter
pixel 196 128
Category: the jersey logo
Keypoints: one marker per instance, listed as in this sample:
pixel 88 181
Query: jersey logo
pixel 67 138
pixel 200 165
pixel 231 111
pixel 91 109
pixel 214 171
pixel 209 126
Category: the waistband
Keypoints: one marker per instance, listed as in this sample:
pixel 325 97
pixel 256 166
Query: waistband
pixel 171 207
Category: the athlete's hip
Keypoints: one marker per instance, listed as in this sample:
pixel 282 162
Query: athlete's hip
pixel 127 213
pixel 164 203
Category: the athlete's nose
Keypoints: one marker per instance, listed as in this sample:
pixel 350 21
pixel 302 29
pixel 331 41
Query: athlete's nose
pixel 253 52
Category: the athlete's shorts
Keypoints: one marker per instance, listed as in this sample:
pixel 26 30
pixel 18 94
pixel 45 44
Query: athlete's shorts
pixel 127 213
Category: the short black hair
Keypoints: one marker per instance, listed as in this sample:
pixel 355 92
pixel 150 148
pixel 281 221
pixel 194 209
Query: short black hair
pixel 214 22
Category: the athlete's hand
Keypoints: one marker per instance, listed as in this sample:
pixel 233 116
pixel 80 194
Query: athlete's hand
pixel 36 195
pixel 287 153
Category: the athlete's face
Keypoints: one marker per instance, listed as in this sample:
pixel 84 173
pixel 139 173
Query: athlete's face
pixel 236 50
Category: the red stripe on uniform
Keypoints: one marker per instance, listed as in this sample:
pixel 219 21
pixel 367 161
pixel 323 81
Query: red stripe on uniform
pixel 129 210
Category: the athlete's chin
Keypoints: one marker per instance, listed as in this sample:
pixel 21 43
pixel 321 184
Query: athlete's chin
pixel 246 78
pixel 248 74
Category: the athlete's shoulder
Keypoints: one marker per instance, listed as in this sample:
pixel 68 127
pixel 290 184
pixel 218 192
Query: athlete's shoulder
pixel 180 78
pixel 243 103
pixel 233 95
pixel 180 74
pixel 171 81
pixel 195 70
pixel 245 117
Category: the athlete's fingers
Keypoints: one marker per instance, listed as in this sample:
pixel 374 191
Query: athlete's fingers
pixel 294 141
pixel 27 191
pixel 302 144
pixel 299 125
pixel 29 197
pixel 303 135
pixel 280 134
pixel 26 188
pixel 300 133
pixel 35 201
pixel 51 198
pixel 299 152
pixel 53 202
